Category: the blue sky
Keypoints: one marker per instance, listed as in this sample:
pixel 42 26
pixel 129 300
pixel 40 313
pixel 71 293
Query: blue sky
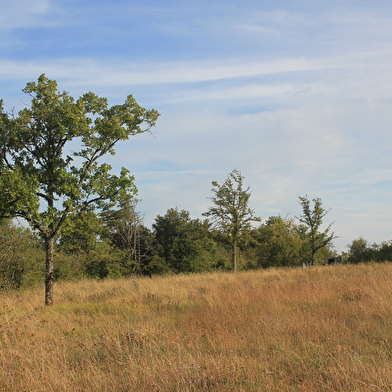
pixel 296 94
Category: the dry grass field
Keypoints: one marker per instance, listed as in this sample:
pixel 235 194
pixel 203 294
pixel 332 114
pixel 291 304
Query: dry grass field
pixel 315 329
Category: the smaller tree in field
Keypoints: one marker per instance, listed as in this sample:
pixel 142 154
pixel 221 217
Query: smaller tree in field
pixel 312 219
pixel 230 213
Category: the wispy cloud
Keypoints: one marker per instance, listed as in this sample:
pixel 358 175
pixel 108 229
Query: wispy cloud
pixel 115 72
pixel 26 13
pixel 296 95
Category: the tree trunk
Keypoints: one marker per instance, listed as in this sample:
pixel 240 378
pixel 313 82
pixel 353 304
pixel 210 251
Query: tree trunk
pixel 234 255
pixel 49 274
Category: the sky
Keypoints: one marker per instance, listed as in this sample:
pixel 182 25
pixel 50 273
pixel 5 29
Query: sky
pixel 295 94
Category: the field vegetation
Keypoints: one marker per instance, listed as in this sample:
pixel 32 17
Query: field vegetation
pixel 323 328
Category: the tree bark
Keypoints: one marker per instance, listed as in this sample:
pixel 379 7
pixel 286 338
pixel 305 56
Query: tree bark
pixel 234 255
pixel 49 274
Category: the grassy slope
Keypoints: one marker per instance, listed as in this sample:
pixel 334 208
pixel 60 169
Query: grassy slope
pixel 318 329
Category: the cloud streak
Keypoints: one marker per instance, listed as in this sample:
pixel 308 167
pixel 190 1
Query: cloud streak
pixel 296 95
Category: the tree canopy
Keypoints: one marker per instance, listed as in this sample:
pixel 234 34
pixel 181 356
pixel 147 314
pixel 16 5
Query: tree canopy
pixel 184 244
pixel 278 243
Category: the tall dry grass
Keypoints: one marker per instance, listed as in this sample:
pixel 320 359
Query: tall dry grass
pixel 317 329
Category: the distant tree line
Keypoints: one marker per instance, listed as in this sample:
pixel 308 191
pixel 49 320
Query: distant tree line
pixel 360 251
pixel 118 244
pixel 114 242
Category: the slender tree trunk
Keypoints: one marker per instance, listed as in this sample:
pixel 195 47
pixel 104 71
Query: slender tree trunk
pixel 234 255
pixel 312 260
pixel 49 274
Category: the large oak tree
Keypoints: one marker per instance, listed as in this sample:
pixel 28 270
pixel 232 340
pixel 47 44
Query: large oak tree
pixel 51 158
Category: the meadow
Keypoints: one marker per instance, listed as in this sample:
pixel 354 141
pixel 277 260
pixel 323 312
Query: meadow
pixel 316 329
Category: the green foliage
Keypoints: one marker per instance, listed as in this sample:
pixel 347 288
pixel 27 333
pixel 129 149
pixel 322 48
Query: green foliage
pixel 314 238
pixel 112 243
pixel 80 232
pixel 42 180
pixel 361 252
pixel 382 252
pixel 184 243
pixel 19 252
pixel 230 213
pixel 157 266
pixel 81 251
pixel 278 243
pixel 69 266
pixel 123 228
pixel 104 262
pixel 358 251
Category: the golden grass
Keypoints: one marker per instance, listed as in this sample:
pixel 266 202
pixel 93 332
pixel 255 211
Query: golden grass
pixel 317 329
